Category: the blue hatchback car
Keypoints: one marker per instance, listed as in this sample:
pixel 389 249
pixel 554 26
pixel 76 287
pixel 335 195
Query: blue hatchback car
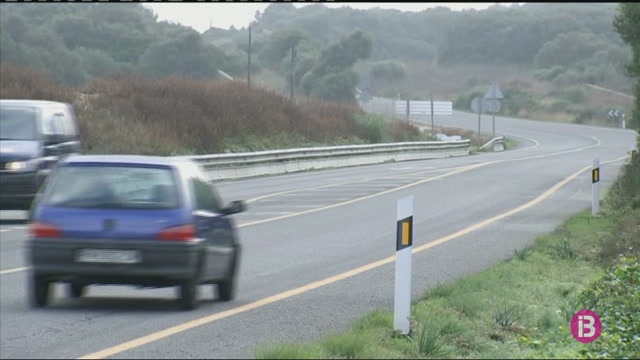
pixel 131 220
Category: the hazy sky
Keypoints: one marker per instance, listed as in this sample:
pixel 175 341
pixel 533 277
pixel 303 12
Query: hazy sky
pixel 223 15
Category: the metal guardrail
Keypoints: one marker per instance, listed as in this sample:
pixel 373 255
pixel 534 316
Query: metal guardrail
pixel 238 165
pixel 496 141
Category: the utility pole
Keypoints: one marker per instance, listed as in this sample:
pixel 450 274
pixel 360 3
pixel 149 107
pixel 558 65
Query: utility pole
pixel 249 65
pixel 293 72
pixel 493 108
pixel 479 118
pixel 432 110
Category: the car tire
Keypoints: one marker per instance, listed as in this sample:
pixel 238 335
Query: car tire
pixel 41 291
pixel 76 290
pixel 227 287
pixel 189 294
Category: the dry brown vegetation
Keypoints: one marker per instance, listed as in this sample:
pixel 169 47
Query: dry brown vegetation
pixel 135 115
pixel 19 82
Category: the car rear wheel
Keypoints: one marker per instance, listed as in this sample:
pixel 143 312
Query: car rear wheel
pixel 189 294
pixel 40 291
pixel 76 290
pixel 227 287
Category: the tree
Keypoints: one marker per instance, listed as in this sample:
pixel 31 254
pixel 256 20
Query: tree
pixel 275 13
pixel 567 49
pixel 388 71
pixel 345 53
pixel 95 62
pixel 183 55
pixel 15 26
pixel 627 24
pixel 337 86
pixel 281 43
pixel 333 77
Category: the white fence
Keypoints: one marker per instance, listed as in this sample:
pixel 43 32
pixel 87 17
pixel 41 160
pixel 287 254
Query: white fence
pixel 415 107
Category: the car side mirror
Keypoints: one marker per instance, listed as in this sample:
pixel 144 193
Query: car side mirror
pixel 235 207
pixel 51 150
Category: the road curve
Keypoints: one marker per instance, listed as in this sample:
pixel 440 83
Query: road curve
pixel 319 246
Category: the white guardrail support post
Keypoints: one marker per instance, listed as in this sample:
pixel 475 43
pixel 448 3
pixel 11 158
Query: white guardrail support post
pixel 404 247
pixel 595 187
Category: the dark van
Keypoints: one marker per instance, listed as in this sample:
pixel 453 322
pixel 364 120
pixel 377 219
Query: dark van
pixel 34 135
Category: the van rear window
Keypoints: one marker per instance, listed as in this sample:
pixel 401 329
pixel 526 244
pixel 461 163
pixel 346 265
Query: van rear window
pixel 18 123
pixel 113 187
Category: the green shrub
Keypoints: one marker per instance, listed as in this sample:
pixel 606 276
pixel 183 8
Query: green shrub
pixel 516 100
pixel 625 191
pixel 287 351
pixel 347 346
pixel 463 101
pixel 429 342
pixel 616 299
pixel 565 249
pixel 573 94
pixel 559 106
pixel 548 74
pixel 505 313
pixel 376 127
pixel 522 254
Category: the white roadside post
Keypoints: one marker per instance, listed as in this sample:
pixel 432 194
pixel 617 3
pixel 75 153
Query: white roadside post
pixel 404 242
pixel 595 186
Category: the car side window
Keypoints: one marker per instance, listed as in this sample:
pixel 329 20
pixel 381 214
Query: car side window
pixel 206 198
pixel 47 122
pixel 71 129
pixel 54 122
pixel 59 123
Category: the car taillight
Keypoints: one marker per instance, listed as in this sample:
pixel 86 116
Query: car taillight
pixel 178 233
pixel 41 230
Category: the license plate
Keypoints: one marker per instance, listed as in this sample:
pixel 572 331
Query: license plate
pixel 108 256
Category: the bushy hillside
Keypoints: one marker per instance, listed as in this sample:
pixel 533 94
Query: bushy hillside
pixel 177 115
pixel 76 42
pixel 550 59
pixel 565 44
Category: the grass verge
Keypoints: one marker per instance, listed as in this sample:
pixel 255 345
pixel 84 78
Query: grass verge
pixel 520 308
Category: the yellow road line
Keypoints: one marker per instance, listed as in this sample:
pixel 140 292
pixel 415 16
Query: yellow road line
pixel 330 280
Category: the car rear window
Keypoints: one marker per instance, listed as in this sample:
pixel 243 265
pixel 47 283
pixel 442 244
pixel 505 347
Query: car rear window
pixel 128 187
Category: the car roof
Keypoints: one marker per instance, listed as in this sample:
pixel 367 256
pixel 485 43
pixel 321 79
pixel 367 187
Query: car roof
pixel 36 103
pixel 127 159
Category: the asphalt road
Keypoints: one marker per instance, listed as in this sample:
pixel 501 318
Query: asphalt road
pixel 319 248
